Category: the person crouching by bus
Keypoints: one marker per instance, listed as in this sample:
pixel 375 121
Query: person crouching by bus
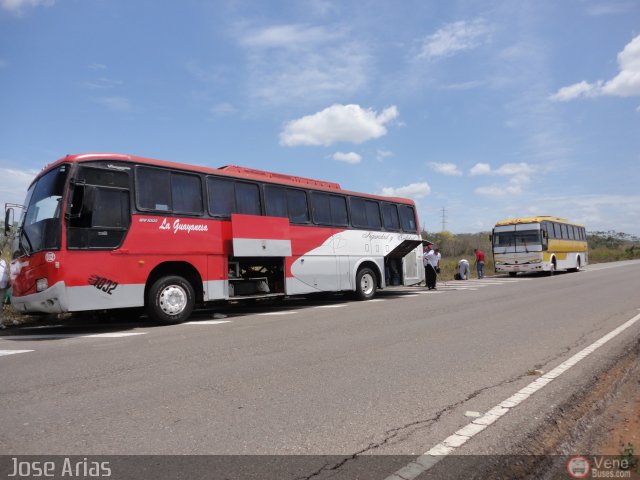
pixel 463 269
pixel 430 265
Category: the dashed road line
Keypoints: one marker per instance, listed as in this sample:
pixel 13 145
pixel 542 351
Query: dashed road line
pixel 286 312
pixel 13 352
pixel 54 336
pixel 114 335
pixel 340 305
pixel 207 322
pixel 448 446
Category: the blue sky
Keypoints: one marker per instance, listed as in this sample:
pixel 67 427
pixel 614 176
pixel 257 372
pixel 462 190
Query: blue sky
pixel 489 109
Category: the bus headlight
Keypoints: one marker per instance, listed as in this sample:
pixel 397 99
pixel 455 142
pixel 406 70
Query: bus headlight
pixel 42 284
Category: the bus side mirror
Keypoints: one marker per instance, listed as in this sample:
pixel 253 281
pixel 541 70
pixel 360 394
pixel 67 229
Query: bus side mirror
pixel 491 238
pixel 545 234
pixel 8 220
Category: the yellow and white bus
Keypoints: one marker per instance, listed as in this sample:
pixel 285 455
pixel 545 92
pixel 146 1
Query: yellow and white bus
pixel 539 244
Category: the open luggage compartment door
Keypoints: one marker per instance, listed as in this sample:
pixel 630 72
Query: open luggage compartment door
pixel 404 259
pixel 257 236
pixel 403 249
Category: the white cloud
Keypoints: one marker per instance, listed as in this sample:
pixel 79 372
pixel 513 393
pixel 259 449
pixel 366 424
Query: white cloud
pixel 382 154
pixel 498 191
pixel 288 36
pixel 519 173
pixel 453 38
pixel 415 191
pixel 14 184
pixel 595 211
pixel 611 8
pixel 337 123
pixel 223 109
pixel 581 89
pixel 303 64
pixel 625 84
pixel 480 169
pixel 446 168
pixel 350 157
pixel 18 6
pixel 115 104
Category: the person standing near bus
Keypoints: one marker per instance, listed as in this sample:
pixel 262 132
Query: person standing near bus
pixel 4 284
pixel 479 262
pixel 430 265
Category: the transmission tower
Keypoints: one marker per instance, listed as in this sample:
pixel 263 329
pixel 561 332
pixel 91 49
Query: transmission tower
pixel 444 219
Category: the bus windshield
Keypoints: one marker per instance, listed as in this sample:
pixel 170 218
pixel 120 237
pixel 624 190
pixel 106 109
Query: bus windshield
pixel 40 225
pixel 523 238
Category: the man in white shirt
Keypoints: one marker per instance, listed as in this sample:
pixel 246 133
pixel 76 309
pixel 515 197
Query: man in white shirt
pixel 430 263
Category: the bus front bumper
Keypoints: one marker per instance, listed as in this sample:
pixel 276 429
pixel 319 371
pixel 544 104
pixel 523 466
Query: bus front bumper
pixel 522 267
pixel 51 300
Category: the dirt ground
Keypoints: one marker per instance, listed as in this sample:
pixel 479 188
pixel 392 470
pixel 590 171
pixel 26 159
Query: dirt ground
pixel 622 416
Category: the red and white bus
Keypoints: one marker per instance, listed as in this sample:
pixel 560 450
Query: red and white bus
pixel 106 231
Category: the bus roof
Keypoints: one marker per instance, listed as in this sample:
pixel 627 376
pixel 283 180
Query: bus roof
pixel 227 170
pixel 538 219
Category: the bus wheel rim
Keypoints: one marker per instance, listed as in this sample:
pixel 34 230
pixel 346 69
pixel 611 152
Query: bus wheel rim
pixel 366 284
pixel 173 300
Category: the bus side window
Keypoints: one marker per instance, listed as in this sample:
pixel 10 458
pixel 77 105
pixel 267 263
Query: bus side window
pixel 275 201
pixel 297 206
pixel 408 219
pixel 186 193
pixel 221 197
pixel 153 190
pixel 248 198
pixel 339 215
pixel 358 212
pixel 390 216
pixel 321 208
pixel 373 215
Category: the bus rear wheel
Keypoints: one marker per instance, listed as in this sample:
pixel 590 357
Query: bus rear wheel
pixel 365 284
pixel 171 300
pixel 577 267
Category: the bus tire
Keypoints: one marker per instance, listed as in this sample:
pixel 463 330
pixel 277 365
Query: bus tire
pixel 171 300
pixel 552 267
pixel 513 274
pixel 366 282
pixel 577 268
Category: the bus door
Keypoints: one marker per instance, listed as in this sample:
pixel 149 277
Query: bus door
pixel 406 254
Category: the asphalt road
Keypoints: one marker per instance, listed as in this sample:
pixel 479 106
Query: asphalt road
pixel 319 376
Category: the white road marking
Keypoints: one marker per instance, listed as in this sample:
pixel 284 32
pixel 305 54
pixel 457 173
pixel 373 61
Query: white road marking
pixel 288 312
pixel 207 322
pixel 12 352
pixel 471 414
pixel 340 305
pixel 377 300
pixel 427 460
pixel 113 335
pixel 53 336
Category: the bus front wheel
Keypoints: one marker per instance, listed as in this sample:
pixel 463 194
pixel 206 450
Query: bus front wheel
pixel 552 268
pixel 171 300
pixel 365 284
